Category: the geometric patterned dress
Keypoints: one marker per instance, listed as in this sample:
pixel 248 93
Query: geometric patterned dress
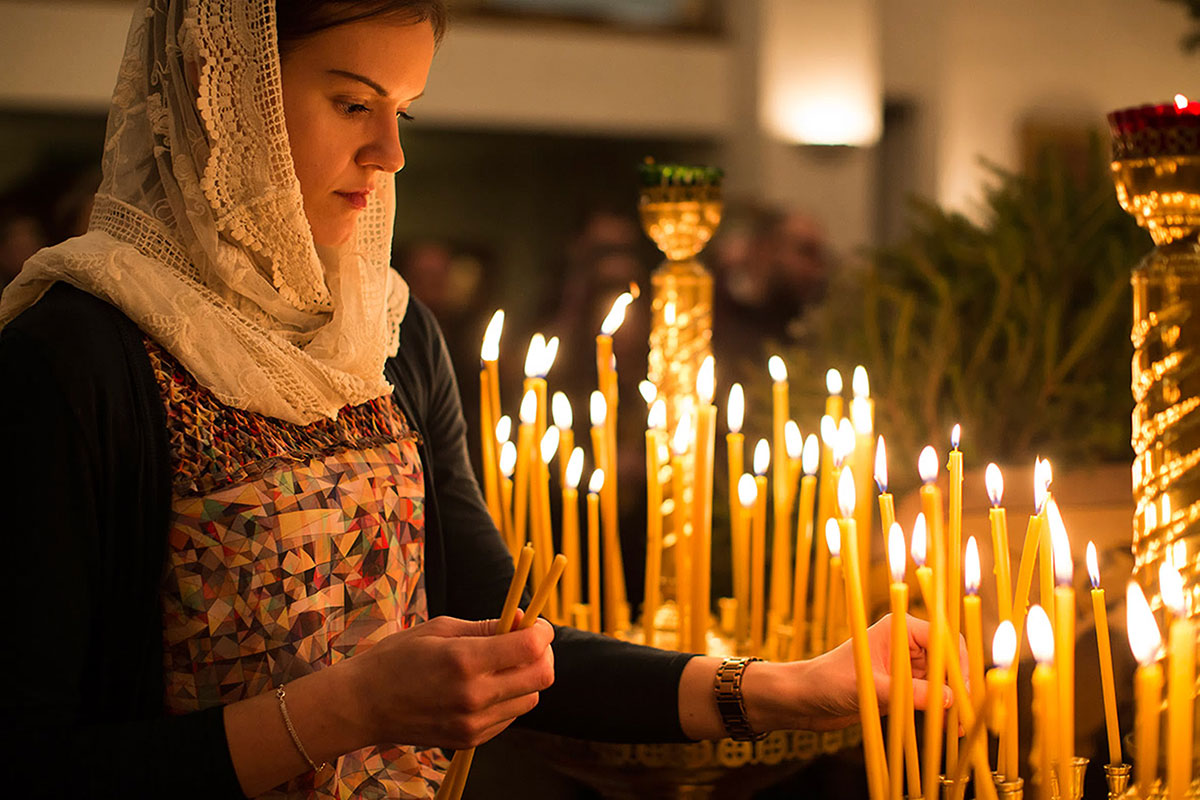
pixel 291 548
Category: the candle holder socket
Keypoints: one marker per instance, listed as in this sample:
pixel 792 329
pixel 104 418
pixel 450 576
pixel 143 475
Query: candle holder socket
pixel 1117 776
pixel 1009 790
pixel 951 789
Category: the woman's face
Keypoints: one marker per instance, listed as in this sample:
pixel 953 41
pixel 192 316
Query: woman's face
pixel 346 92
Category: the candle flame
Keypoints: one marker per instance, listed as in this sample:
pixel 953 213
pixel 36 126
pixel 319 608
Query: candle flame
pixel 881 476
pixel 1060 545
pixel 860 416
pixel 616 314
pixel 777 368
pixel 1170 587
pixel 828 431
pixel 1093 565
pixel 1004 645
pixel 919 543
pixel 1042 478
pixel 669 313
pixel 993 479
pixel 508 458
pixel 762 457
pixel 683 434
pixel 528 412
pixel 793 439
pixel 833 381
pixel 648 391
pixel 927 464
pixel 897 556
pixel 1181 102
pixel 1144 638
pixel 549 353
pixel 860 384
pixel 833 537
pixel 657 418
pixel 504 429
pixel 575 468
pixel 735 411
pixel 598 408
pixel 846 494
pixel 560 408
pixel 747 490
pixel 549 444
pixel 706 380
pixel 596 482
pixel 971 567
pixel 490 351
pixel 955 435
pixel 533 355
pixel 810 459
pixel 844 443
pixel 1041 635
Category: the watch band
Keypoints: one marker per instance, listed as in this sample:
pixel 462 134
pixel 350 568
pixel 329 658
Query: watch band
pixel 730 703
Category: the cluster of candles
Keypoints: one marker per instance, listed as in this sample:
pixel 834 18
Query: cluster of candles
pixel 820 479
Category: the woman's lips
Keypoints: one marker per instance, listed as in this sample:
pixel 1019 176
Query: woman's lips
pixel 357 200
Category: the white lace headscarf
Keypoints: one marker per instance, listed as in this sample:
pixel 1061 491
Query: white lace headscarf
pixel 199 234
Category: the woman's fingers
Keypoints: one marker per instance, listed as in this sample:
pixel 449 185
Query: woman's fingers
pixel 922 691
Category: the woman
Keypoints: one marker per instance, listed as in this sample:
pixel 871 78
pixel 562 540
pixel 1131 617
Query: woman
pixel 237 460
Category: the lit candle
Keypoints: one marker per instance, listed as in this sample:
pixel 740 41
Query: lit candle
pixel 489 354
pixel 862 420
pixel 826 496
pixel 1029 552
pixel 998 522
pixel 973 622
pixel 681 525
pixel 1146 643
pixel 735 445
pixel 525 442
pixel 570 529
pixel 887 504
pixel 810 458
pixel 781 545
pixel 758 547
pixel 1002 696
pixel 545 541
pixel 614 577
pixel 931 508
pixel 747 491
pixel 656 422
pixel 706 431
pixel 606 372
pixel 836 628
pixel 868 701
pixel 1064 639
pixel 595 484
pixel 564 420
pixel 1104 648
pixel 1046 550
pixel 900 700
pixel 1041 642
pixel 508 463
pixel 954 573
pixel 837 615
pixel 793 441
pixel 1181 685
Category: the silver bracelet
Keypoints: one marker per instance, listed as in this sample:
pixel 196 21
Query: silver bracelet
pixel 287 720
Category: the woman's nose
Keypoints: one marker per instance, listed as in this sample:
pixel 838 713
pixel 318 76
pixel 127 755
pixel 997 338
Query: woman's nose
pixel 384 152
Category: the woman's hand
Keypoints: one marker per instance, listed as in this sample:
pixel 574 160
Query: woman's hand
pixel 451 683
pixel 821 693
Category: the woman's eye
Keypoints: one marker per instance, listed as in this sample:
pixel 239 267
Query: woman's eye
pixel 404 115
pixel 353 109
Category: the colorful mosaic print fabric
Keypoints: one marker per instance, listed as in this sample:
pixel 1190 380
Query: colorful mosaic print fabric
pixel 301 551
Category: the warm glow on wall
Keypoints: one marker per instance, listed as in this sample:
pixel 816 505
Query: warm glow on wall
pixel 821 68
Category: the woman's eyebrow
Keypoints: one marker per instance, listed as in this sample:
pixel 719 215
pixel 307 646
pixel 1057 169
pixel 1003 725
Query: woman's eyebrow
pixel 354 76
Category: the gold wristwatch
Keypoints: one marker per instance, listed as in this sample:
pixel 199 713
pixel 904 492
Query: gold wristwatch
pixel 730 703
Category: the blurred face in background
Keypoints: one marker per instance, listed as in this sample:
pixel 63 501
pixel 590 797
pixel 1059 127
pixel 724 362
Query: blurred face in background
pixel 346 93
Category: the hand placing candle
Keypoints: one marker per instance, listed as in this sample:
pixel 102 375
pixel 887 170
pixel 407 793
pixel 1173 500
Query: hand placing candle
pixel 1146 643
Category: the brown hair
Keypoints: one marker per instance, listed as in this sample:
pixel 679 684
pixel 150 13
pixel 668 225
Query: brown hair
pixel 296 20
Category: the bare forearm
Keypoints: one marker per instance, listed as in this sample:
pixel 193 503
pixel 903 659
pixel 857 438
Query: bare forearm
pixel 324 711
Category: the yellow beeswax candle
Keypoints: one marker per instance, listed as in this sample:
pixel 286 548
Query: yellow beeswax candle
pixel 1045 690
pixel 1064 639
pixel 681 442
pixel 595 484
pixel 900 699
pixel 489 410
pixel 973 622
pixel 758 548
pixel 931 508
pixel 781 531
pixel 1181 686
pixel 993 480
pixel 887 504
pixel 868 701
pixel 1030 551
pixel 545 528
pixel 747 498
pixel 570 530
pixel 564 420
pixel 508 463
pixel 706 431
pixel 862 420
pixel 954 584
pixel 826 503
pixel 810 457
pixel 1001 681
pixel 613 578
pixel 1146 643
pixel 1104 652
pixel 525 442
pixel 835 624
pixel 654 525
pixel 1046 546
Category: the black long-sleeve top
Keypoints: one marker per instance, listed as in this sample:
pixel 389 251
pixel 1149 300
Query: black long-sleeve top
pixel 85 476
